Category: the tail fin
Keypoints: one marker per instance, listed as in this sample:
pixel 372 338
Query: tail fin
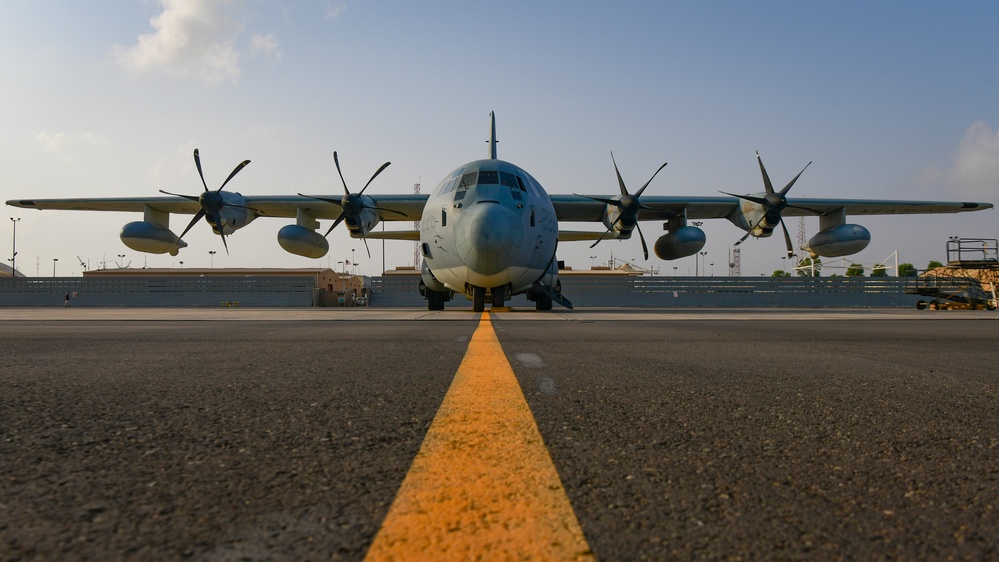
pixel 492 136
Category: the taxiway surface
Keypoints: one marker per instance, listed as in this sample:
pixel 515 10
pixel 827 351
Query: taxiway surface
pixel 694 435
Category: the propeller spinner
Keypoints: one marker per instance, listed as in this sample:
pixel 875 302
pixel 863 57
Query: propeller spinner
pixel 211 202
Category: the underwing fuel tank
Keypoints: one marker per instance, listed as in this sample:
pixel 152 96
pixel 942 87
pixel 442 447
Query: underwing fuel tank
pixel 147 237
pixel 680 243
pixel 842 240
pixel 303 241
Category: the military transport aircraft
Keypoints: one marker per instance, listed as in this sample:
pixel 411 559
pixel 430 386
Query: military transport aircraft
pixel 489 228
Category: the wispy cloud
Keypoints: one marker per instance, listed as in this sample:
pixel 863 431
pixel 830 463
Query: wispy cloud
pixel 266 45
pixel 66 145
pixel 975 165
pixel 193 38
pixel 334 10
pixel 175 169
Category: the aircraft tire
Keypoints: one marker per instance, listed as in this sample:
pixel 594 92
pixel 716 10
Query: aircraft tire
pixel 435 300
pixel 543 302
pixel 478 299
pixel 499 296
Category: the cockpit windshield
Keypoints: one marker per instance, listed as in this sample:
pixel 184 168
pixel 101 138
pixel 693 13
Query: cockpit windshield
pixel 487 177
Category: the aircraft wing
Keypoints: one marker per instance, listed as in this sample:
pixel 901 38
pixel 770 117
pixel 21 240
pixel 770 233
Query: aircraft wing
pixel 572 208
pixel 406 207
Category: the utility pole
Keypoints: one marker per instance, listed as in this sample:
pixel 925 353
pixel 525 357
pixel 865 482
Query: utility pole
pixel 13 250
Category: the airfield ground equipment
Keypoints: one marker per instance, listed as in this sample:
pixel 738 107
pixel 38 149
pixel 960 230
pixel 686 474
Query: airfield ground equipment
pixel 967 282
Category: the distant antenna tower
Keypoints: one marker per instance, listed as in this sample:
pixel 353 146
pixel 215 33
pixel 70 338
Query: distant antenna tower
pixel 416 225
pixel 735 262
pixel 801 232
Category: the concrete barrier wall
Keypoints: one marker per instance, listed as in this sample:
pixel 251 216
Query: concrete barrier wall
pixel 159 291
pixel 402 291
pixel 870 292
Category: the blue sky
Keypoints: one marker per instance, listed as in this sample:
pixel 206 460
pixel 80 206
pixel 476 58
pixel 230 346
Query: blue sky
pixel 889 100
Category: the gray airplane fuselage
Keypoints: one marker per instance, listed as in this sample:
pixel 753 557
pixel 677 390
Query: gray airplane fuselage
pixel 489 224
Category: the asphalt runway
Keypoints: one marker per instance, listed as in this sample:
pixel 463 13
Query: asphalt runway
pixel 696 435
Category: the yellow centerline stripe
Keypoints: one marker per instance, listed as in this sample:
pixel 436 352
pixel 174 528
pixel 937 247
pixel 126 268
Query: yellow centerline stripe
pixel 483 485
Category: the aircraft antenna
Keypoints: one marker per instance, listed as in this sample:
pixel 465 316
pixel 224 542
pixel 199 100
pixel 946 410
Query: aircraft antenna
pixel 416 226
pixel 492 136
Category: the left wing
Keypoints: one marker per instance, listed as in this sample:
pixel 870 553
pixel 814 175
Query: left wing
pixel 405 207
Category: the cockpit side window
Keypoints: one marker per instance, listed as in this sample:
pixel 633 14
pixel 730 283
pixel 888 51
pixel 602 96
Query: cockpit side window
pixel 467 180
pixel 488 177
pixel 520 184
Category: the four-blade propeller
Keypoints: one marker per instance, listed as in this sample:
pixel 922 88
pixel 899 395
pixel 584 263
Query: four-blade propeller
pixel 351 204
pixel 211 201
pixel 773 203
pixel 629 206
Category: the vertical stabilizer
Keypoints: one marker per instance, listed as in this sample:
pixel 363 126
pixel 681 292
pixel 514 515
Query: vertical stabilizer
pixel 492 136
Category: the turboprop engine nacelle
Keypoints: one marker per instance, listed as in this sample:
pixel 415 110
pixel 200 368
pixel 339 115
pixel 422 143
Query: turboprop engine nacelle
pixel 147 237
pixel 680 243
pixel 303 241
pixel 842 240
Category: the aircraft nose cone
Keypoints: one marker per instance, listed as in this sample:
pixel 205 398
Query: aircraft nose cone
pixel 488 235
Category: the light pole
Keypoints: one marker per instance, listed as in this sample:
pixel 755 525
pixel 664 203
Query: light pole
pixel 353 264
pixel 212 254
pixel 674 271
pixel 339 266
pixel 13 249
pixel 121 261
pixel 712 269
pixel 182 264
pixel 702 256
pixel 54 260
pixel 593 261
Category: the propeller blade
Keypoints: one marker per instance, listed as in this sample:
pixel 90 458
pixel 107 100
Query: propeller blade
pixel 766 178
pixel 620 182
pixel 614 202
pixel 336 160
pixel 197 162
pixel 365 240
pixel 750 198
pixel 645 248
pixel 750 231
pixel 639 192
pixel 343 214
pixel 194 221
pixel 234 172
pixel 787 239
pixel 608 231
pixel 384 210
pixel 188 197
pixel 224 245
pixel 385 165
pixel 790 183
pixel 333 201
pixel 816 211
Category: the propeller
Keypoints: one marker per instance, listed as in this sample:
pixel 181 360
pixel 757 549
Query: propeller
pixel 211 201
pixel 629 206
pixel 351 204
pixel 773 203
